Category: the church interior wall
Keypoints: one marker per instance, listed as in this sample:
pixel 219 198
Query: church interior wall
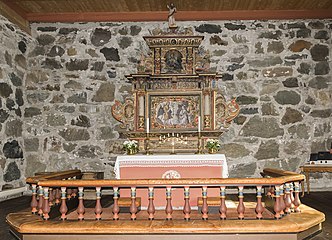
pixel 56 95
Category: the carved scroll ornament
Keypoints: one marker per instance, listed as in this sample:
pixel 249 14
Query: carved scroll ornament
pixel 124 113
pixel 225 112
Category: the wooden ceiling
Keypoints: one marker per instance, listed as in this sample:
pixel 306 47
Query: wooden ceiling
pixel 24 11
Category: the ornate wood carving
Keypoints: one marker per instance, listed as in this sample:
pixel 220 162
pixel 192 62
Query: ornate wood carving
pixel 174 88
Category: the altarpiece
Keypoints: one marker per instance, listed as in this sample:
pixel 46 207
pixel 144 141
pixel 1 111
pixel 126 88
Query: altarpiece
pixel 175 104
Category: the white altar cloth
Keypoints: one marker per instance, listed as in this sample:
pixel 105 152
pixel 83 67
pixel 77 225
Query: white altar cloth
pixel 178 160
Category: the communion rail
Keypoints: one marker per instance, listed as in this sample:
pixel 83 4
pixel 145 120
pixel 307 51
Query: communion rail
pixel 277 194
pixel 283 187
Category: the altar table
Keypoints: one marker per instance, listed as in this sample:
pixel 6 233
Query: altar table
pixel 170 166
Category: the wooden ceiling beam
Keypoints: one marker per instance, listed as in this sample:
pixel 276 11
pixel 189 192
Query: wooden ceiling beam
pixel 180 16
pixel 16 17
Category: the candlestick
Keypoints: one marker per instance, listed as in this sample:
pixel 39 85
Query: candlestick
pixel 199 124
pixel 147 125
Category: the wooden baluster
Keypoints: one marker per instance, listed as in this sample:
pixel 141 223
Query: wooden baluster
pixel 288 201
pixel 277 207
pixel 282 200
pixel 169 208
pixel 51 197
pixel 69 193
pixel 240 207
pixel 297 201
pixel 205 207
pixel 80 208
pixel 63 207
pixel 34 202
pixel 133 207
pixel 223 208
pixel 292 196
pixel 46 206
pixel 151 209
pixel 116 208
pixel 186 207
pixel 259 207
pixel 74 192
pixel 98 208
pixel 40 200
pixel 57 196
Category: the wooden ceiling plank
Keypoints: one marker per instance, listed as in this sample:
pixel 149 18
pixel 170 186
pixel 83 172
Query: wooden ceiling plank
pixel 181 16
pixel 14 17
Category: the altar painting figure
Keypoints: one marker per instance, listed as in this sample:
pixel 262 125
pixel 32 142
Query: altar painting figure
pixel 174 112
pixel 173 60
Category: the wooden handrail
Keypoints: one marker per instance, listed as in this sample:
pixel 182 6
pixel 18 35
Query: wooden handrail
pixel 173 182
pixel 278 172
pixel 54 176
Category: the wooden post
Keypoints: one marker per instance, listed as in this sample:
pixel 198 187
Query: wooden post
pixel 297 201
pixel 57 196
pixel 116 208
pixel 34 202
pixel 205 207
pixel 63 207
pixel 133 207
pixel 169 208
pixel 277 203
pixel 292 196
pixel 40 200
pixel 151 209
pixel 223 208
pixel 259 207
pixel 46 206
pixel 186 207
pixel 282 200
pixel 288 201
pixel 98 208
pixel 51 197
pixel 240 207
pixel 80 209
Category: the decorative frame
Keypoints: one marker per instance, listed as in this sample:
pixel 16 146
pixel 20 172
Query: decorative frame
pixel 177 111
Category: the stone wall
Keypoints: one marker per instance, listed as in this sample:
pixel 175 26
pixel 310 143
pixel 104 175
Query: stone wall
pixel 15 46
pixel 279 71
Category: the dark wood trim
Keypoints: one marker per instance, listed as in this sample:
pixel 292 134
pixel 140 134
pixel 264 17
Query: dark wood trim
pixel 181 16
pixel 16 8
pixel 15 17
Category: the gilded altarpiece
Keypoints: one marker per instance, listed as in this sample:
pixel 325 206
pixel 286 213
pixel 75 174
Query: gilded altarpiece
pixel 175 104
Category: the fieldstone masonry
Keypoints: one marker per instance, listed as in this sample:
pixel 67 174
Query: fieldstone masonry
pixel 57 88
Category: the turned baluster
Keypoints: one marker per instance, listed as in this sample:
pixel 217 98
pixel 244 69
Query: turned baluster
pixel 297 201
pixel 34 202
pixel 151 209
pixel 74 192
pixel 69 193
pixel 98 208
pixel 282 200
pixel 57 196
pixel 240 207
pixel 288 201
pixel 277 207
pixel 205 207
pixel 292 196
pixel 186 207
pixel 80 209
pixel 40 200
pixel 63 207
pixel 116 208
pixel 259 207
pixel 46 206
pixel 223 208
pixel 133 207
pixel 169 208
pixel 51 197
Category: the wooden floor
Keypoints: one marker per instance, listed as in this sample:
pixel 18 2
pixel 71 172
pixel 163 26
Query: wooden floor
pixel 318 200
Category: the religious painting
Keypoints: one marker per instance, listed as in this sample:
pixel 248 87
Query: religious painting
pixel 173 61
pixel 174 111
